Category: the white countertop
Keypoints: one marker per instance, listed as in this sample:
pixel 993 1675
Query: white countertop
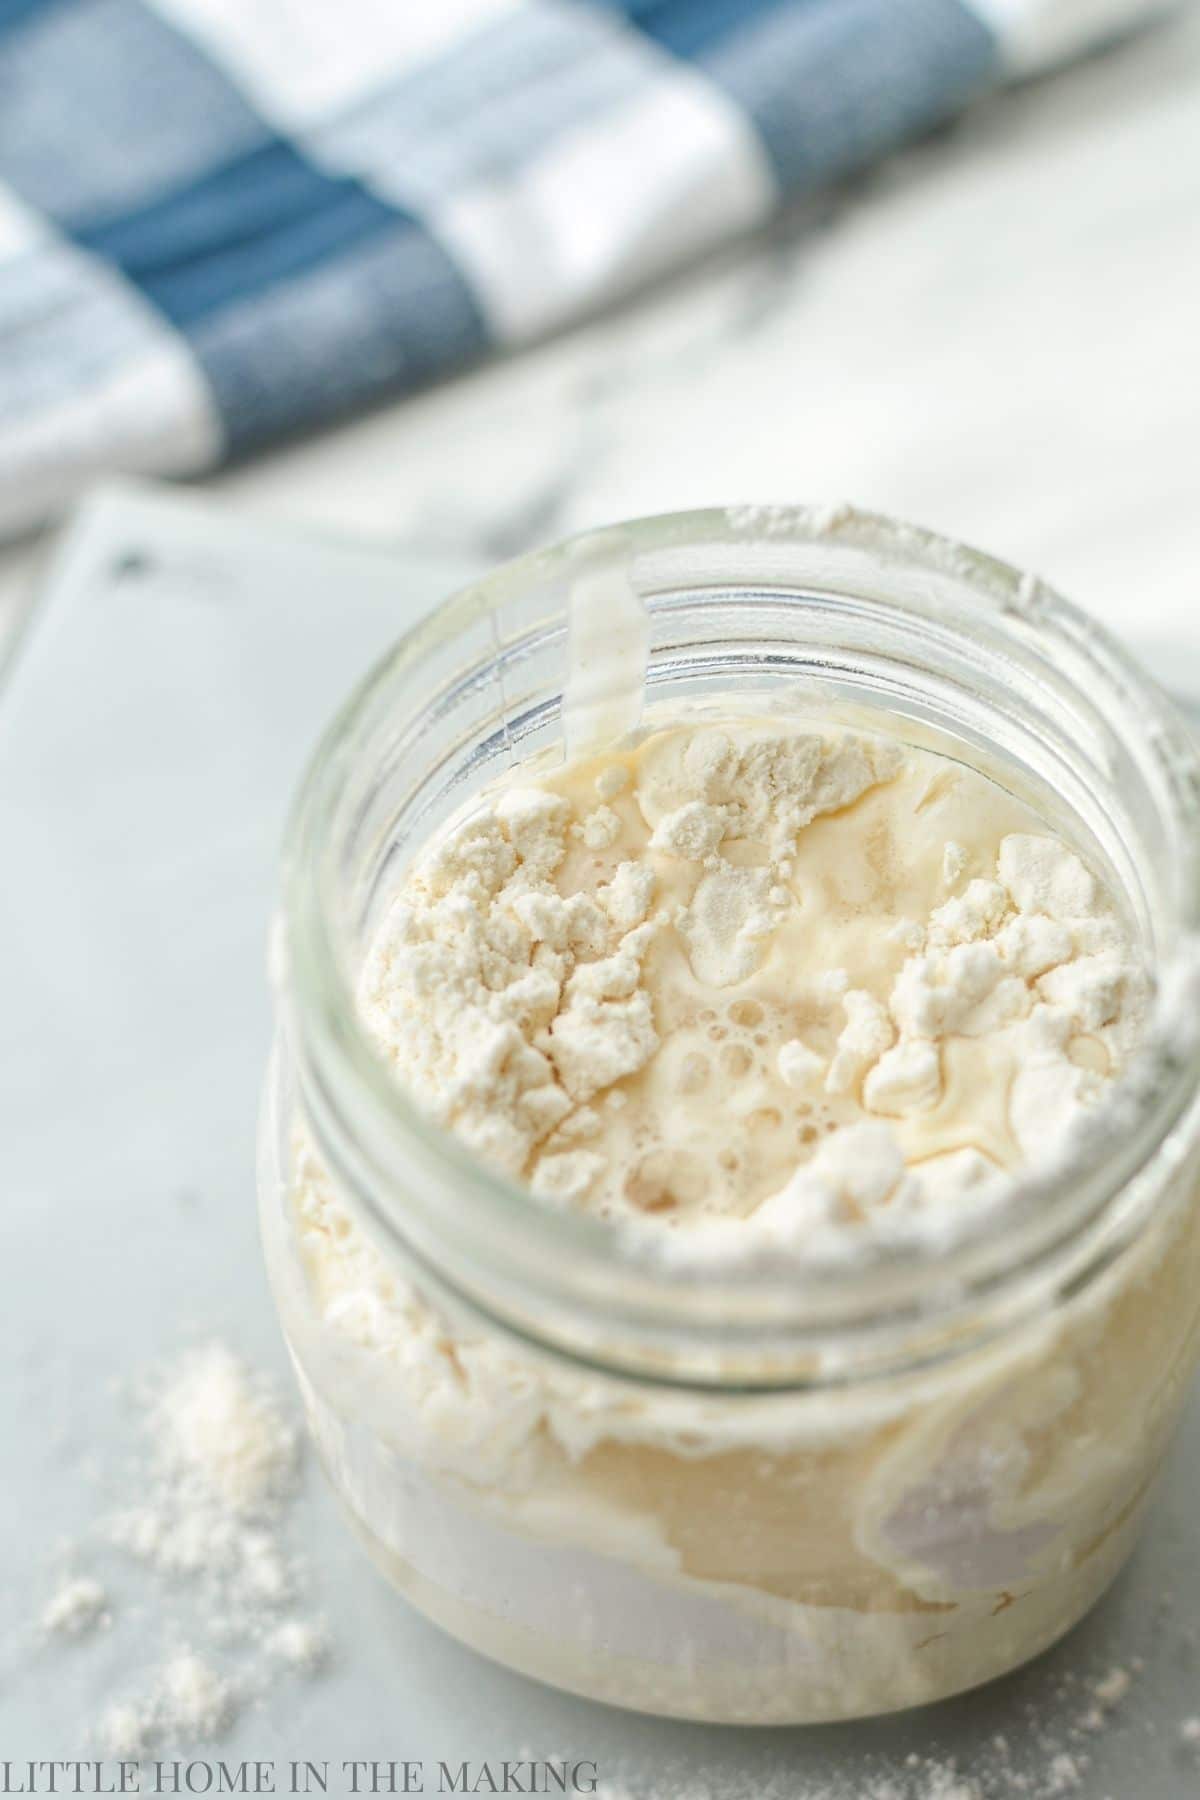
pixel 995 334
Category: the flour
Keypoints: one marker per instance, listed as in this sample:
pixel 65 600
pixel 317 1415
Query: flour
pixel 756 783
pixel 907 1078
pixel 194 1701
pixel 299 1643
pixel 599 829
pixel 955 861
pixel 694 830
pixel 221 1461
pixel 604 1029
pixel 187 1701
pixel 914 1778
pixel 799 1066
pixel 862 1041
pixel 1044 876
pixel 125 1729
pixel 854 1172
pixel 1016 978
pixel 504 1002
pixel 203 1530
pixel 1064 1775
pixel 1048 1765
pixel 567 1176
pixel 1108 1694
pixel 219 1430
pixel 77 1606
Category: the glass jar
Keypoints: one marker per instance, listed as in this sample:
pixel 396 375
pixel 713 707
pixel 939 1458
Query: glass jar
pixel 748 1496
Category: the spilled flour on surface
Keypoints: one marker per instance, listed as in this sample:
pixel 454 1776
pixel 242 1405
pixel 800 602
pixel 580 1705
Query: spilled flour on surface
pixel 77 1606
pixel 201 1527
pixel 222 1460
pixel 1049 1758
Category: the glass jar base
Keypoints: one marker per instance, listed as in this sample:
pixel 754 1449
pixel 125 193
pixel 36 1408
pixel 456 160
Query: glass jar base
pixel 866 1665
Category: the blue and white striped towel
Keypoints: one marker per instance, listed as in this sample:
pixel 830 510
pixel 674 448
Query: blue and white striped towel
pixel 226 220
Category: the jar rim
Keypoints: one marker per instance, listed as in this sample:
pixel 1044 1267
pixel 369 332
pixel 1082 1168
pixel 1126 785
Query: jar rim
pixel 561 1280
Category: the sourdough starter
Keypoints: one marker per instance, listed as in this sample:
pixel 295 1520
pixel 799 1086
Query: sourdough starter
pixel 744 983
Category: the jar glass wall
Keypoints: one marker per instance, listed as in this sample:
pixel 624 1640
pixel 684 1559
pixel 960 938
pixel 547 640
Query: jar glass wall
pixel 753 1496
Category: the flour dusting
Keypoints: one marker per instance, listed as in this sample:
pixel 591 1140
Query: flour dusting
pixel 202 1535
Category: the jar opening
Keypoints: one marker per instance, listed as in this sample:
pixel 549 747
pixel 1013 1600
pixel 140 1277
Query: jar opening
pixel 786 608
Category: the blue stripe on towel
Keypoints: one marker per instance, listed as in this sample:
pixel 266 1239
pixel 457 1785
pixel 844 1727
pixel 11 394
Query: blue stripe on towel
pixel 104 107
pixel 829 84
pixel 19 12
pixel 689 29
pixel 257 221
pixel 385 315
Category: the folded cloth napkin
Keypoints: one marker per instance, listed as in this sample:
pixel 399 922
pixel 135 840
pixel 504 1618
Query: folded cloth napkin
pixel 222 221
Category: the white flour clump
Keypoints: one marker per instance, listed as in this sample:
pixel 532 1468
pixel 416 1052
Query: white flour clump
pixel 220 1430
pixel 195 1701
pixel 299 1643
pixel 762 784
pixel 124 1729
pixel 188 1701
pixel 222 1460
pixel 506 1004
pixel 1035 959
pixel 75 1608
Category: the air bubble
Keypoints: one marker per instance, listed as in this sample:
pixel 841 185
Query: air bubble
pixel 662 1179
pixel 736 1060
pixel 765 1118
pixel 746 1012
